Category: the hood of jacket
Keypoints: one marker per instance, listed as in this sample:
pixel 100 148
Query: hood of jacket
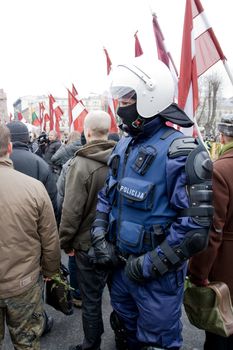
pixel 74 146
pixel 98 150
pixel 20 145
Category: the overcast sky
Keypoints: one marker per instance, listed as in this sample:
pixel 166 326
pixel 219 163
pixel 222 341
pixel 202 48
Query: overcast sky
pixel 46 45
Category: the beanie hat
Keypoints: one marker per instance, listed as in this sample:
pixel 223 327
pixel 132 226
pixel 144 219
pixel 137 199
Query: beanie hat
pixel 18 131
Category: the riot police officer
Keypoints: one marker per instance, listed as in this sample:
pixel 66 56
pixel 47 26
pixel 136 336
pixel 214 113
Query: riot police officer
pixel 155 210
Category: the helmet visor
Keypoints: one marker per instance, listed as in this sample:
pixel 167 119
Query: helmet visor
pixel 122 93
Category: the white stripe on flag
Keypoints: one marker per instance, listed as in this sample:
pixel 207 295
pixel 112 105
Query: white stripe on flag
pixel 200 25
pixel 55 105
pixel 189 103
pixel 77 110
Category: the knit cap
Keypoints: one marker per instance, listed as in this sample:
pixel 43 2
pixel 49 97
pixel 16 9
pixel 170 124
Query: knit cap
pixel 19 131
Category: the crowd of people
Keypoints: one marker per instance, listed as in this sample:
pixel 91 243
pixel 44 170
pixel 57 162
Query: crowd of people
pixel 136 212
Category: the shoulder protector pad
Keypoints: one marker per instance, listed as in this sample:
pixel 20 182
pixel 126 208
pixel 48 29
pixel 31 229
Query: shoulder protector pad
pixel 199 166
pixel 182 147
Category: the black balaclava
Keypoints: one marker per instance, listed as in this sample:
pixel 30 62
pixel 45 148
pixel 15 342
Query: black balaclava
pixel 132 121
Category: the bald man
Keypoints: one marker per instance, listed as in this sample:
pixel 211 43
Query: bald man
pixel 85 177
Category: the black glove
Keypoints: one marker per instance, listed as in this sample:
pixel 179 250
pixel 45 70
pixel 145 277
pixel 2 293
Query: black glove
pixel 91 256
pixel 133 269
pixel 104 251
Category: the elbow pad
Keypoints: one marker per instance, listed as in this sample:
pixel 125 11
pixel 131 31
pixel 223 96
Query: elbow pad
pixel 198 170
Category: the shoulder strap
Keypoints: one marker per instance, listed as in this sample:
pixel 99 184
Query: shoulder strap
pixel 167 133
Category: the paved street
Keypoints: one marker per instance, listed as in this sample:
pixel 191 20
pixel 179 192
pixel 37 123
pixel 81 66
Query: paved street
pixel 67 330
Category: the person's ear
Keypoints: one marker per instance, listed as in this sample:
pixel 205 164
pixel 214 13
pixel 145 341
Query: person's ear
pixel 87 133
pixel 222 138
pixel 9 148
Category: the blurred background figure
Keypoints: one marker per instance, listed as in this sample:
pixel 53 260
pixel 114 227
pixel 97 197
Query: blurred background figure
pixel 51 148
pixel 65 136
pixel 66 151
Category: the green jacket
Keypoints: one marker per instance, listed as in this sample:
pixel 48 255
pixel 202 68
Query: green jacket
pixel 84 179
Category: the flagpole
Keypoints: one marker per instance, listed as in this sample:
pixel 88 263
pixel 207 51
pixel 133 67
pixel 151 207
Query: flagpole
pixel 226 66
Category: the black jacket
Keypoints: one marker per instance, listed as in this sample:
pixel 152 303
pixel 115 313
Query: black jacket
pixel 34 166
pixel 50 149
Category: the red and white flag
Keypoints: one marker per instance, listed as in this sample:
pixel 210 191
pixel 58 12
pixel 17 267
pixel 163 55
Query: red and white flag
pixel 21 118
pixel 111 102
pixel 109 62
pixel 200 51
pixel 74 91
pixel 76 111
pixel 43 115
pixel 76 95
pixel 55 113
pixel 163 54
pixel 138 49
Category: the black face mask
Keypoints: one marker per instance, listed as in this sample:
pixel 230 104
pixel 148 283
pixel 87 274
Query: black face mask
pixel 132 122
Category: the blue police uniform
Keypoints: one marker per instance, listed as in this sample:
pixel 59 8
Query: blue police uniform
pixel 145 198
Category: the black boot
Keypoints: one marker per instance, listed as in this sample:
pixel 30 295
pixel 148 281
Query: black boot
pixel 120 332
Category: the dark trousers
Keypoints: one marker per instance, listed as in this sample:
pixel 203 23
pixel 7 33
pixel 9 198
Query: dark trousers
pixel 217 342
pixel 91 283
pixel 74 277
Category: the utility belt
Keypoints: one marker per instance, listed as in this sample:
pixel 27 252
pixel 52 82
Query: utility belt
pixel 138 243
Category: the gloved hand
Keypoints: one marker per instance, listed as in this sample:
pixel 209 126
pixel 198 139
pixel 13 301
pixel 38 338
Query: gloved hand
pixel 134 268
pixel 104 251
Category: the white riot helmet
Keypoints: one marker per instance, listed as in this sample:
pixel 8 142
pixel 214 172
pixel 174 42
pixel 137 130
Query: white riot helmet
pixel 152 83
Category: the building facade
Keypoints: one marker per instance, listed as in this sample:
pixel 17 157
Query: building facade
pixel 26 105
pixel 4 117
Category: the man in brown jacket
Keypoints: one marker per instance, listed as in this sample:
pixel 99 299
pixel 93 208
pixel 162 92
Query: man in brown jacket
pixel 29 247
pixel 215 263
pixel 84 179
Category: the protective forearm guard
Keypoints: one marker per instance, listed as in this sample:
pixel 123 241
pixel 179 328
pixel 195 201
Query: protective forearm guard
pixel 198 169
pixel 100 223
pixel 194 242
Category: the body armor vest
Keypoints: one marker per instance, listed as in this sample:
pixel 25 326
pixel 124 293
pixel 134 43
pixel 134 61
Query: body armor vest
pixel 137 191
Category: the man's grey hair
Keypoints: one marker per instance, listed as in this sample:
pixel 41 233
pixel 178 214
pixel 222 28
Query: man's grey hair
pixel 98 122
